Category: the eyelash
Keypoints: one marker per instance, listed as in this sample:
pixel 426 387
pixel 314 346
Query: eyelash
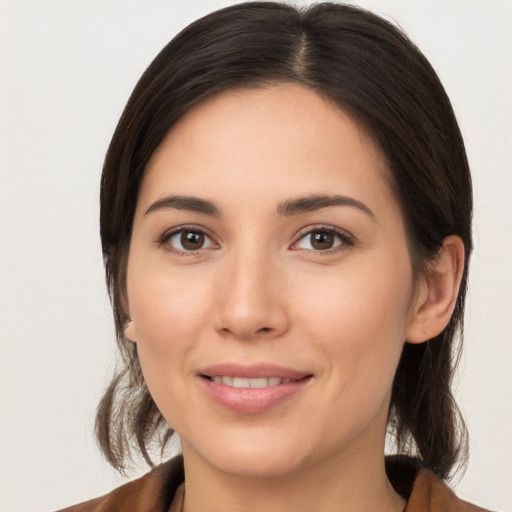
pixel 164 239
pixel 345 239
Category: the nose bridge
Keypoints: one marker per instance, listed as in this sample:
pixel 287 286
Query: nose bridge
pixel 251 301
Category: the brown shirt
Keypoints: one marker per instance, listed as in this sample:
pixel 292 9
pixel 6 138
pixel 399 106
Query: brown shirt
pixel 155 491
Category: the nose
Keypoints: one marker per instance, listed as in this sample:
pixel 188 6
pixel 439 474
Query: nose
pixel 251 298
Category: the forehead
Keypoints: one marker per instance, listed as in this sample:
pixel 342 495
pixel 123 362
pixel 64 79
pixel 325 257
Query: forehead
pixel 284 138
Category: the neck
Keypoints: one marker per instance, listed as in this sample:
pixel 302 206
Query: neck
pixel 356 484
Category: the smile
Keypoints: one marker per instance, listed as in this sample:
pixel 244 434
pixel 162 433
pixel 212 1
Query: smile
pixel 243 382
pixel 254 389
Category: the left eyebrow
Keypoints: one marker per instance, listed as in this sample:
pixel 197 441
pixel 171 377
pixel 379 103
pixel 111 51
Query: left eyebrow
pixel 316 202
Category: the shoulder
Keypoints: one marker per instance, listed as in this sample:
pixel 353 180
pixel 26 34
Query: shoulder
pixel 151 493
pixel 431 493
pixel 423 490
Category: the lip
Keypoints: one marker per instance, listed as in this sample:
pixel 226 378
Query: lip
pixel 252 371
pixel 252 400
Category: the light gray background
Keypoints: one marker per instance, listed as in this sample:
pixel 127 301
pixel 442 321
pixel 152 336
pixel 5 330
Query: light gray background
pixel 67 68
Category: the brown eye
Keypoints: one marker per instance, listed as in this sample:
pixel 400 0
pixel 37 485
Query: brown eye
pixel 323 240
pixel 188 240
pixel 191 241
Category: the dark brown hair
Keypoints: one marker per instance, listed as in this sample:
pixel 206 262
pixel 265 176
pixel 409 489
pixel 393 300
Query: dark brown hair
pixel 369 68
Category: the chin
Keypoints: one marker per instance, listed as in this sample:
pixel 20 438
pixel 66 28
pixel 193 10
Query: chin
pixel 255 459
pixel 258 465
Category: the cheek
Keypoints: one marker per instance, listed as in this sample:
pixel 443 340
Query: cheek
pixel 168 309
pixel 359 322
pixel 370 304
pixel 165 305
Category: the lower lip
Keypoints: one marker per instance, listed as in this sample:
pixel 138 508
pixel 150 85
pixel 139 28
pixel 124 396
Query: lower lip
pixel 252 400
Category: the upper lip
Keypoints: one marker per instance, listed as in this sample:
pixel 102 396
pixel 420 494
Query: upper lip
pixel 252 371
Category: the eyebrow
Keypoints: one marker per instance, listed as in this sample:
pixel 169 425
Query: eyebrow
pixel 316 202
pixel 287 208
pixel 194 204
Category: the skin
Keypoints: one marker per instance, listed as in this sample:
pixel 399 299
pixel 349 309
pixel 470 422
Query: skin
pixel 259 291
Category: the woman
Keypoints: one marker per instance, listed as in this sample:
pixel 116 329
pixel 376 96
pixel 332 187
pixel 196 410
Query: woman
pixel 286 227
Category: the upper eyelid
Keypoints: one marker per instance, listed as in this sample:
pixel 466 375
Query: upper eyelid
pixel 186 227
pixel 323 227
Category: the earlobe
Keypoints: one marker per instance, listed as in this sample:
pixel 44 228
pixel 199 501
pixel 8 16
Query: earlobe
pixel 438 295
pixel 129 330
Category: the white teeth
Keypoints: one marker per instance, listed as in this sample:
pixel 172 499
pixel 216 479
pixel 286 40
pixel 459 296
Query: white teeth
pixel 240 382
pixel 258 383
pixel 243 382
pixel 228 381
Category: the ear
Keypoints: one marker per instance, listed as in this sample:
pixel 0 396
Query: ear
pixel 128 326
pixel 129 331
pixel 437 293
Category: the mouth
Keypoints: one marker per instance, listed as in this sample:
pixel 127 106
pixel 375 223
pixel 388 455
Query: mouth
pixel 251 383
pixel 252 389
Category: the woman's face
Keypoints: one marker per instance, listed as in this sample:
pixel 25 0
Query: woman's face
pixel 269 282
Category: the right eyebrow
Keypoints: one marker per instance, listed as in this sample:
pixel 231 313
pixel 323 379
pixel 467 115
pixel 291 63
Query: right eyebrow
pixel 194 204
